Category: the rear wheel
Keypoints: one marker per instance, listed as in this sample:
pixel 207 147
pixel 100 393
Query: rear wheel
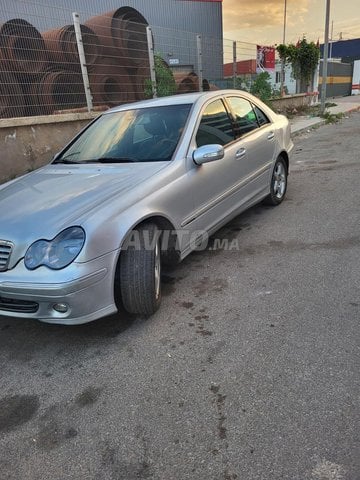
pixel 278 183
pixel 140 271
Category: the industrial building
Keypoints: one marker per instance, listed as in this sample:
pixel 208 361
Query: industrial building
pixel 346 50
pixel 71 54
pixel 340 71
pixel 175 24
pixel 42 65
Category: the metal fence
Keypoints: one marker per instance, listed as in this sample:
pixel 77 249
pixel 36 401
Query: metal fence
pixel 54 60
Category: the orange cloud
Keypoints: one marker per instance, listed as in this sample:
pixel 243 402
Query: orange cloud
pixel 239 14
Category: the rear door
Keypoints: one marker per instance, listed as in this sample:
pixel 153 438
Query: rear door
pixel 256 138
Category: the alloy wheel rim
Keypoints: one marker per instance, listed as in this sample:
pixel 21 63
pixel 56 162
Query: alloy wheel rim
pixel 279 185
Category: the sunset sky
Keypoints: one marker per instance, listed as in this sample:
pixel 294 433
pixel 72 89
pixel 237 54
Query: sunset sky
pixel 261 21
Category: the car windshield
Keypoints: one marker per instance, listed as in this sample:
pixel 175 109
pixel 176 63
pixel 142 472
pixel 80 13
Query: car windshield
pixel 139 135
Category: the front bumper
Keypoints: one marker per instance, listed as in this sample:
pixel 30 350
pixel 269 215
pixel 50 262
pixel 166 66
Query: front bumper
pixel 86 289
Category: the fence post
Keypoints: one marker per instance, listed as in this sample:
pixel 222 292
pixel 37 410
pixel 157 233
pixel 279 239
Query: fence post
pixel 199 62
pixel 151 61
pixel 234 65
pixel 84 71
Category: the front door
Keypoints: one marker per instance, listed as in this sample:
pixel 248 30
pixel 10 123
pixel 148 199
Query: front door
pixel 216 184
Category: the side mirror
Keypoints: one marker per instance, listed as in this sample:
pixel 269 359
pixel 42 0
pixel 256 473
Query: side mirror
pixel 208 153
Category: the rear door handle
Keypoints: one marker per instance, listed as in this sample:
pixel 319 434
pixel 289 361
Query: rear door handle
pixel 271 136
pixel 240 153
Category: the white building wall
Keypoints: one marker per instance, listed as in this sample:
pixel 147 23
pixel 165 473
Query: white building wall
pixel 356 79
pixel 289 82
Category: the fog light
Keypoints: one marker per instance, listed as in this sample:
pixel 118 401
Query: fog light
pixel 61 307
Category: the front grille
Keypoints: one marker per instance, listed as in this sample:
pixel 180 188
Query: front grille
pixel 5 253
pixel 18 306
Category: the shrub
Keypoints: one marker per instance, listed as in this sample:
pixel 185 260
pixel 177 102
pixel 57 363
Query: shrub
pixel 165 83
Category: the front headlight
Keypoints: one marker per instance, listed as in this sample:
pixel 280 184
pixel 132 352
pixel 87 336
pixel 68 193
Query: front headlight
pixel 57 253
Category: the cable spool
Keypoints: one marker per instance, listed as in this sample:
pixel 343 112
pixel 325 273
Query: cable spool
pixel 122 33
pixel 12 102
pixel 22 47
pixel 56 90
pixel 63 51
pixel 111 85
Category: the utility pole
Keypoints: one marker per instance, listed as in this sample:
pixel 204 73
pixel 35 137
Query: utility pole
pixel 282 73
pixel 325 58
pixel 331 39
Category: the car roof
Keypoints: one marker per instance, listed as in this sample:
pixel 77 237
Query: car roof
pixel 185 98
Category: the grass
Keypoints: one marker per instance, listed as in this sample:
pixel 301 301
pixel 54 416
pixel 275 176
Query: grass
pixel 313 111
pixel 332 117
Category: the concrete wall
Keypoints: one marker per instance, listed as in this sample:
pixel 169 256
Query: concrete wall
pixel 29 143
pixel 292 101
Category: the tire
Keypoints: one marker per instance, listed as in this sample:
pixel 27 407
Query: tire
pixel 278 183
pixel 140 271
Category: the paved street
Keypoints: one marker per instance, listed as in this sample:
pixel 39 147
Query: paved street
pixel 249 371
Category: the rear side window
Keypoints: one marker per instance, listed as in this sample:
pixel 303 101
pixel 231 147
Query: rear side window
pixel 244 114
pixel 262 118
pixel 215 126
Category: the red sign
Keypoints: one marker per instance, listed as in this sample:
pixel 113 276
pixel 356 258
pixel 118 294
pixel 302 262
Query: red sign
pixel 265 58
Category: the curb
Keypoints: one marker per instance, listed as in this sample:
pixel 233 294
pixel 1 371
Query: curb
pixel 308 128
pixel 354 109
pixel 320 123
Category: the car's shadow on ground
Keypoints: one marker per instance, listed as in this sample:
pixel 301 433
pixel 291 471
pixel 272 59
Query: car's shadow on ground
pixel 30 340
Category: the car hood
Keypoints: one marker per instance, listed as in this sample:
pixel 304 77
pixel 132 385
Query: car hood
pixel 57 196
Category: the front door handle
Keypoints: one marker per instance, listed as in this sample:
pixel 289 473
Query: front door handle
pixel 271 136
pixel 240 153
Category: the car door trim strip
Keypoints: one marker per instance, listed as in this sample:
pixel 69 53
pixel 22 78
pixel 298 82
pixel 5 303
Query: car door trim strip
pixel 200 211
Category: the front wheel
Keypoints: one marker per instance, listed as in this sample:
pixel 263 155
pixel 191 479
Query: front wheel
pixel 140 271
pixel 278 183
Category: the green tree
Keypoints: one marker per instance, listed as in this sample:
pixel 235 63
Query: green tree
pixel 303 58
pixel 242 83
pixel 165 83
pixel 261 87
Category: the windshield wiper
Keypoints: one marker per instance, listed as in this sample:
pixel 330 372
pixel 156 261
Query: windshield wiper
pixel 65 160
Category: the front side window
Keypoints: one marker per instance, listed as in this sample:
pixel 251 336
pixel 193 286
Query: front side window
pixel 215 126
pixel 244 114
pixel 139 135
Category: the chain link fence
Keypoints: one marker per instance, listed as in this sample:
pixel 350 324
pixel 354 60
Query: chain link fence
pixel 240 65
pixel 55 60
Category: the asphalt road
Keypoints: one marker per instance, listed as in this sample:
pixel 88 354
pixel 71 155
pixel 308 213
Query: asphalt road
pixel 249 371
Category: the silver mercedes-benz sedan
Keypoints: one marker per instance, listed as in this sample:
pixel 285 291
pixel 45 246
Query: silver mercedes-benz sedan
pixel 142 185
